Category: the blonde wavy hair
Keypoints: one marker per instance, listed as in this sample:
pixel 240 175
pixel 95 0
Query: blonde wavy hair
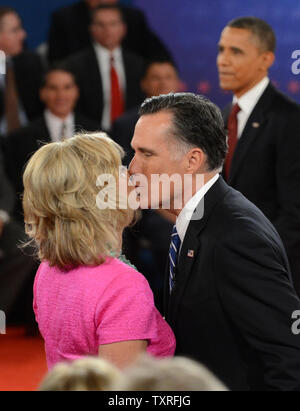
pixel 84 374
pixel 59 201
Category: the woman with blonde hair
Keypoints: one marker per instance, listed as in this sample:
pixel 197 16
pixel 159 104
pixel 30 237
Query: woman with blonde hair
pixel 86 301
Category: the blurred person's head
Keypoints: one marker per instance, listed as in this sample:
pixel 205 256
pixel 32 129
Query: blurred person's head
pixel 59 91
pixel 94 3
pixel 85 374
pixel 160 77
pixel 12 34
pixel 107 26
pixel 167 374
pixel 246 52
pixel 65 214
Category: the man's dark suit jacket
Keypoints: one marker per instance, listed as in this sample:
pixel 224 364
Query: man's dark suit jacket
pixel 28 73
pixel 21 144
pixel 122 132
pixel 86 69
pixel 65 40
pixel 16 268
pixel 7 198
pixel 233 299
pixel 266 168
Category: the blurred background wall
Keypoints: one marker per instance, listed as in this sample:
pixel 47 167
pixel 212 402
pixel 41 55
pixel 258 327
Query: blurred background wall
pixel 191 30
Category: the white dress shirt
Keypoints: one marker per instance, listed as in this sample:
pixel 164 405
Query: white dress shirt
pixel 103 56
pixel 247 102
pixel 185 215
pixel 55 125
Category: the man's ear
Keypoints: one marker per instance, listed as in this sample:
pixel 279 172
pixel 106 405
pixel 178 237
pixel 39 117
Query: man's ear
pixel 124 30
pixel 268 59
pixel 196 160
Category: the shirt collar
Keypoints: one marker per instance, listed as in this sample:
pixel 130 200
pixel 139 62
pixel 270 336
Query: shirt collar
pixel 248 101
pixel 69 120
pixel 105 53
pixel 186 213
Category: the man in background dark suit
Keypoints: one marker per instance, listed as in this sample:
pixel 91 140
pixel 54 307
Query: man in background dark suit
pixel 59 93
pixel 19 100
pixel 65 40
pixel 93 69
pixel 16 269
pixel 263 160
pixel 229 294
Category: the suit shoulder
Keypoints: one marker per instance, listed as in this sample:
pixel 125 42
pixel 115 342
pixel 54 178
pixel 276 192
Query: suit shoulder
pixel 85 123
pixel 237 219
pixel 80 57
pixel 129 117
pixel 28 57
pixel 26 136
pixel 133 13
pixel 67 11
pixel 283 102
pixel 133 58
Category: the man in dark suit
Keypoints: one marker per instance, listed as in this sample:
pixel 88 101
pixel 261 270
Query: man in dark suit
pixel 59 93
pixel 229 294
pixel 263 161
pixel 108 75
pixel 16 269
pixel 19 100
pixel 64 40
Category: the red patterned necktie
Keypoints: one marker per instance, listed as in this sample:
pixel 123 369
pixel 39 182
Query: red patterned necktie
pixel 232 127
pixel 117 103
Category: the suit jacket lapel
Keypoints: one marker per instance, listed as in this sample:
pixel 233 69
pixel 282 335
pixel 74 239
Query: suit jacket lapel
pixel 191 248
pixel 44 132
pixel 251 131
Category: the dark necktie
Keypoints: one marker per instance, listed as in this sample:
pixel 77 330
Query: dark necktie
pixel 11 101
pixel 173 255
pixel 232 127
pixel 117 103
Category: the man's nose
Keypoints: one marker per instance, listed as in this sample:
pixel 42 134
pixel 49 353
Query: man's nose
pixel 132 166
pixel 223 59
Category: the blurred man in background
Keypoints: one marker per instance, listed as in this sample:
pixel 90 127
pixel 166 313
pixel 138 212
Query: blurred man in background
pixel 59 93
pixel 19 100
pixel 263 160
pixel 64 40
pixel 16 269
pixel 108 75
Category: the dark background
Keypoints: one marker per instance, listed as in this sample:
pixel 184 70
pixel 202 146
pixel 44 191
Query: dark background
pixel 191 29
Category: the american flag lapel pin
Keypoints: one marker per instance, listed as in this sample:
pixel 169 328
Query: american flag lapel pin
pixel 190 253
